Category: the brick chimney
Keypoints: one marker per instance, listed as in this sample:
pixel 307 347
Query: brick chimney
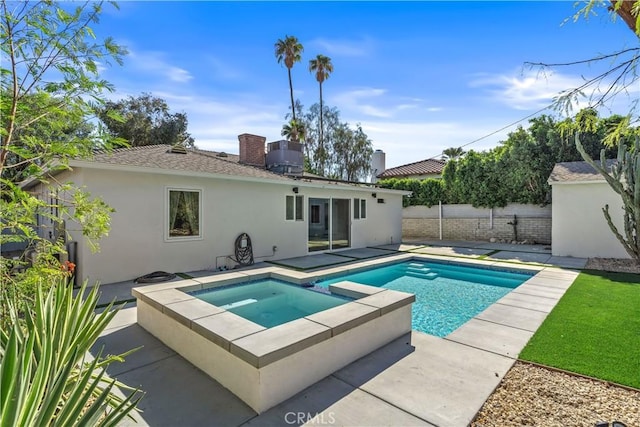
pixel 252 149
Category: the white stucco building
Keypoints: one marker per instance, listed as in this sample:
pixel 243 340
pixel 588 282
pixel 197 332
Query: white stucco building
pixel 579 228
pixel 180 211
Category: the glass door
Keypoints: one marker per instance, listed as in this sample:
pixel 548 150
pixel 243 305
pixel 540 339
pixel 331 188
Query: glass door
pixel 318 225
pixel 340 223
pixel 329 224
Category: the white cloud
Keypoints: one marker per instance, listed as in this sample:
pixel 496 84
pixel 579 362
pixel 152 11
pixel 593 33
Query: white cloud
pixel 349 48
pixel 526 91
pixel 178 75
pixel 531 91
pixel 378 103
pixel 155 63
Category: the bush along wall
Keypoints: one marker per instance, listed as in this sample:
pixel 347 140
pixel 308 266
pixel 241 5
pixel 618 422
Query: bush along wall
pixel 517 170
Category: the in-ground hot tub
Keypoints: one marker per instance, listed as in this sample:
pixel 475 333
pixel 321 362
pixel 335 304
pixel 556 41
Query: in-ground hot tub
pixel 269 302
pixel 261 365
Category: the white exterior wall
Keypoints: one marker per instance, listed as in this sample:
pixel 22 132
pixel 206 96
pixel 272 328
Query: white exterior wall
pixel 579 228
pixel 136 243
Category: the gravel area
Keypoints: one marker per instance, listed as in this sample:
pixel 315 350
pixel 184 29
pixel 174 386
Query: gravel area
pixel 613 264
pixel 533 396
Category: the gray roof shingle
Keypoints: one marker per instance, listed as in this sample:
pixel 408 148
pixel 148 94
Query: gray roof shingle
pixel 195 160
pixel 423 167
pixel 576 172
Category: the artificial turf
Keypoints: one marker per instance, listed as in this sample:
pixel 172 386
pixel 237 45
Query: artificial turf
pixel 594 329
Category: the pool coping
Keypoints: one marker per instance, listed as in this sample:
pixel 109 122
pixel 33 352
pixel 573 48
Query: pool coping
pixel 497 331
pixel 260 346
pixel 236 334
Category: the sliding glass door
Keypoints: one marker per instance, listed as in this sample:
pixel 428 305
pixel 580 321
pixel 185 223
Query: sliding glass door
pixel 329 224
pixel 340 223
pixel 318 225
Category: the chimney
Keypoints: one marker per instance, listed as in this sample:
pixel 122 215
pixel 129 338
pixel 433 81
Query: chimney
pixel 377 165
pixel 252 149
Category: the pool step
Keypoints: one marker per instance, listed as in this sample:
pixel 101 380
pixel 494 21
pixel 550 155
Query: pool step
pixel 419 275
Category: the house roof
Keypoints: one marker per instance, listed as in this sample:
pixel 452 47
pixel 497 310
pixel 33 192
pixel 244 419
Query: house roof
pixel 161 157
pixel 423 167
pixel 194 160
pixel 576 172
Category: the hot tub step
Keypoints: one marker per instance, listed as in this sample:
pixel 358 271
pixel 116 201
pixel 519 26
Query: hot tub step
pixel 239 303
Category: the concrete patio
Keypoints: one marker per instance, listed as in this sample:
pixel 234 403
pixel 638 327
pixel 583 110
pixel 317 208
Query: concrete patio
pixel 416 380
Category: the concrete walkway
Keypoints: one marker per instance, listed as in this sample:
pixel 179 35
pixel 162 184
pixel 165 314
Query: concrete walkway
pixel 416 380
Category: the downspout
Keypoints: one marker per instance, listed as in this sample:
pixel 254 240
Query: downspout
pixel 490 218
pixel 440 215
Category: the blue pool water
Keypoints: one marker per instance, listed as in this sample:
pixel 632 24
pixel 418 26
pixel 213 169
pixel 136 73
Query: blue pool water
pixel 269 302
pixel 447 295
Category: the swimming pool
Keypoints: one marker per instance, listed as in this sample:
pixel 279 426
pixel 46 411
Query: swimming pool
pixel 447 295
pixel 269 302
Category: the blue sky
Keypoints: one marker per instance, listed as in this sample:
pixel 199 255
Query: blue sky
pixel 418 76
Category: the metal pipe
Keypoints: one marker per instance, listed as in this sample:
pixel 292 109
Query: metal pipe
pixel 440 215
pixel 490 218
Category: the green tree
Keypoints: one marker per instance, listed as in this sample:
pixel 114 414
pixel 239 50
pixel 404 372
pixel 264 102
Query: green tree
pixel 294 131
pixel 145 120
pixel 346 152
pixel 621 74
pixel 289 50
pixel 323 67
pixel 352 151
pixel 23 154
pixel 50 79
pixel 452 153
pixel 319 155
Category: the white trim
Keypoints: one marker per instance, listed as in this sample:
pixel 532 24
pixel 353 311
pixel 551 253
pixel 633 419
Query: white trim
pixel 300 182
pixel 293 217
pixel 295 207
pixel 353 211
pixel 169 239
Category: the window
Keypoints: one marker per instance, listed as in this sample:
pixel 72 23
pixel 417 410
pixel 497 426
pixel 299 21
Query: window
pixel 359 208
pixel 299 208
pixel 294 208
pixel 184 214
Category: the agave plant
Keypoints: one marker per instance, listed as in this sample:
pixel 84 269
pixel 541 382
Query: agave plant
pixel 47 376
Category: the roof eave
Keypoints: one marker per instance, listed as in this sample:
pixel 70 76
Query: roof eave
pixel 287 181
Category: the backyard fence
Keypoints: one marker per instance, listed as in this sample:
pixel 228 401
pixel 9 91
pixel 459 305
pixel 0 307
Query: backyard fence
pixel 530 223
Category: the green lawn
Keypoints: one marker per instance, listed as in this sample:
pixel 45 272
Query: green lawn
pixel 594 330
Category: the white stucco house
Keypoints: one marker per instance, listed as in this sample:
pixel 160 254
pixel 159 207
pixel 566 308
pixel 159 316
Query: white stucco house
pixel 579 228
pixel 182 210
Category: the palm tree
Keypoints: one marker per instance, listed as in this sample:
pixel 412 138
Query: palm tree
pixel 323 68
pixel 452 153
pixel 294 131
pixel 289 51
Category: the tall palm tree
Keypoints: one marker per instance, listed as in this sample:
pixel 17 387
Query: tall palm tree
pixel 452 153
pixel 289 51
pixel 294 131
pixel 323 67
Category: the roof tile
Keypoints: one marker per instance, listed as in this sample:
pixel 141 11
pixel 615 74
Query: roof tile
pixel 576 172
pixel 195 160
pixel 423 167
